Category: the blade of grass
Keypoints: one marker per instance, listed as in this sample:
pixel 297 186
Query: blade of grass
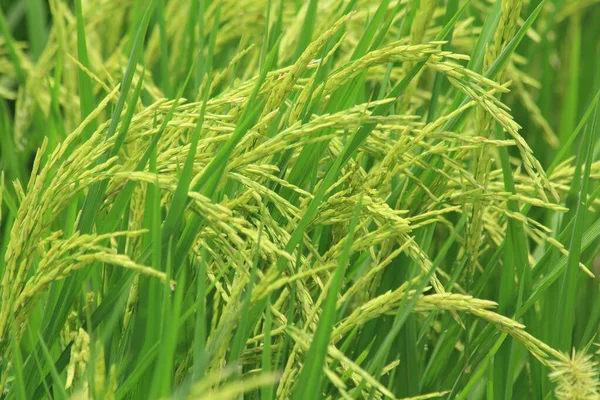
pixel 267 393
pixel 37 26
pixel 18 366
pixel 569 281
pixel 60 391
pixel 86 97
pixel 308 27
pixel 165 74
pixel 177 206
pixel 311 375
pixel 94 198
pixel 570 103
pixel 244 328
pixel 200 331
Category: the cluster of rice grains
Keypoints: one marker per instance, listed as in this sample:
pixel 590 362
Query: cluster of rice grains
pixel 230 187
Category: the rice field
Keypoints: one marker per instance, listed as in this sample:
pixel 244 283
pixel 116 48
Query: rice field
pixel 285 199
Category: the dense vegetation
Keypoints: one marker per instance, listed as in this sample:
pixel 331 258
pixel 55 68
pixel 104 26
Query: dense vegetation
pixel 272 199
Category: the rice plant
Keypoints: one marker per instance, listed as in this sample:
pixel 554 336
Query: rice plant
pixel 321 199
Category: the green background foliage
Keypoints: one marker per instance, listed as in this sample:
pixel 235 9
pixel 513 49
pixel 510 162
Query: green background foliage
pixel 225 199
